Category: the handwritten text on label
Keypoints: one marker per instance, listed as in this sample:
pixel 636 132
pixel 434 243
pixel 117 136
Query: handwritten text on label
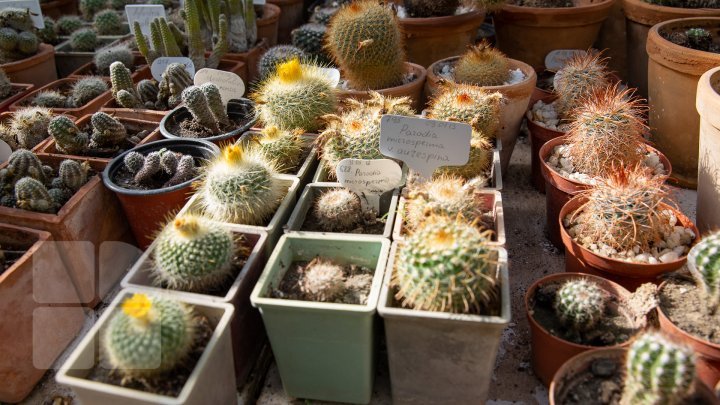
pixel 231 85
pixel 144 14
pixel 160 64
pixel 369 178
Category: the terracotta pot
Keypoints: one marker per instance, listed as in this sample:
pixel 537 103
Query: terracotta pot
pixel 291 17
pixel 529 33
pixel 414 89
pixel 708 189
pixel 69 60
pixel 612 39
pixel 141 69
pixel 512 110
pixel 430 39
pixel 50 147
pixel 250 58
pixel 38 310
pixel 559 190
pixel 582 362
pixel 640 16
pixel 629 275
pixel 240 109
pixel 147 210
pixel 21 89
pixel 38 69
pixel 539 135
pixel 267 26
pixel 58 8
pixel 549 352
pixel 113 108
pixel 673 73
pixel 61 85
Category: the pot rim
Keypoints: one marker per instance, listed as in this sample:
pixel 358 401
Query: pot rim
pixel 557 11
pixel 707 101
pixel 679 330
pixel 642 12
pixel 45 51
pixel 528 71
pixel 273 14
pixel 456 19
pixel 420 71
pixel 56 84
pixel 216 138
pixel 677 57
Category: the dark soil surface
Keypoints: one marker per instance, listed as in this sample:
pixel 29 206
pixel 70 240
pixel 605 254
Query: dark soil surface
pixel 170 383
pixel 9 257
pixel 125 179
pixel 680 38
pixel 358 281
pixel 135 136
pixel 682 303
pixel 544 3
pixel 193 129
pixel 545 80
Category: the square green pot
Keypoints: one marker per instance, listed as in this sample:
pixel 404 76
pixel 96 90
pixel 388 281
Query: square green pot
pixel 324 351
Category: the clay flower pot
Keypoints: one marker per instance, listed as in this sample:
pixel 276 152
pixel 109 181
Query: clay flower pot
pixel 641 15
pixel 430 39
pixel 579 259
pixel 549 351
pixel 58 8
pixel 559 189
pixel 267 26
pixel 241 110
pixel 612 39
pixel 38 69
pixel 512 110
pixel 140 69
pixel 20 90
pixel 63 86
pixel 539 135
pixel 708 188
pixel 414 89
pixel 147 210
pixel 673 73
pixel 529 33
pixel 69 60
pixel 291 17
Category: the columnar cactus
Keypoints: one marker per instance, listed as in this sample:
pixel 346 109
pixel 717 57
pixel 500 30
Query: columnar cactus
pixel 576 80
pixel 215 102
pixel 174 80
pixel 431 8
pixel 151 335
pixel 68 137
pixel 204 109
pixel 121 80
pixel 86 89
pixel 118 53
pixel 84 40
pixel 184 171
pixel 30 126
pixel 108 22
pixel 107 131
pixel 469 104
pixel 445 195
pixel 283 147
pixel 338 210
pixel 155 166
pixel 580 304
pixel 482 65
pixel 148 91
pixel 704 264
pixel 196 44
pixel 310 38
pixel 277 55
pixel 323 280
pixel 657 371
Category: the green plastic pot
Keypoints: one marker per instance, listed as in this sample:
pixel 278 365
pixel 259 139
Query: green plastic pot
pixel 323 351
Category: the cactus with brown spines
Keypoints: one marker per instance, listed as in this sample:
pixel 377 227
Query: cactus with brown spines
pixel 469 104
pixel 184 171
pixel 32 195
pixel 148 91
pixel 338 210
pixel 23 163
pixel 444 195
pixel 175 79
pixel 150 167
pixel 581 75
pixel 482 65
pixel 323 280
pixel 283 147
pixel 107 131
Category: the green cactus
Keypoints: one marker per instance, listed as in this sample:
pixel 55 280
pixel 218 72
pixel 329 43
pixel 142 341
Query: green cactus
pixel 32 195
pixel 68 24
pixel 150 167
pixel 8 39
pixel 482 65
pixel 479 161
pixel 241 188
pixel 168 162
pixel 323 281
pixel 657 372
pixel 106 56
pixel 18 19
pixel 196 44
pixel 88 8
pixel 183 169
pixel 108 22
pixel 444 195
pixel 150 336
pixel 174 80
pixel 704 264
pixel 445 265
pixel 23 163
pixel 120 4
pixel 144 48
pixel 87 89
pixel 699 38
pixel 338 210
pixel 107 131
pixel 431 8
pixel 30 126
pixel 5 85
pixel 83 40
pixel 48 34
pixel 134 162
pixel 148 91
pixel 68 137
pixel 277 55
pixel 198 105
pixel 72 174
pixel 580 304
pixel 28 43
pixel 122 86
pixel 311 39
pixel 215 103
pixel 49 99
pixel 580 76
pixel 469 104
pixel 366 43
pixel 285 148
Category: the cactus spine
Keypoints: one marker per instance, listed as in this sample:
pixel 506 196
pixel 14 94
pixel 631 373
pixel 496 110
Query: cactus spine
pixel 576 80
pixel 579 304
pixel 338 210
pixel 83 40
pixel 285 148
pixel 68 137
pixel 444 195
pixel 469 104
pixel 277 55
pixel 704 264
pixel 107 131
pixel 86 89
pixel 482 65
pixel 323 280
pixel 106 56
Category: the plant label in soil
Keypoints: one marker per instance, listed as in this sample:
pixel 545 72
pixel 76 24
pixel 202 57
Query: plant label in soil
pixel 144 14
pixel 160 64
pixel 332 74
pixel 231 85
pixel 259 2
pixel 32 5
pixel 369 178
pixel 425 144
pixel 556 60
pixel 5 151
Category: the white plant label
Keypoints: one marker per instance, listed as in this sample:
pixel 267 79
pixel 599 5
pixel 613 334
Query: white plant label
pixel 32 5
pixel 259 2
pixel 556 60
pixel 369 178
pixel 231 85
pixel 5 151
pixel 425 144
pixel 332 74
pixel 144 14
pixel 160 64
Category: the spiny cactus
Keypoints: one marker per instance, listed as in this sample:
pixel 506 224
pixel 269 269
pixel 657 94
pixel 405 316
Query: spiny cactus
pixel 29 126
pixel 8 39
pixel 122 86
pixel 108 22
pixel 206 111
pixel 338 210
pixel 285 148
pixel 165 96
pixel 277 55
pixel 68 137
pixel 657 371
pixel 323 280
pixel 48 34
pixel 84 40
pixel 469 104
pixel 49 99
pixel 174 80
pixel 195 254
pixel 22 163
pixel 148 91
pixel 295 96
pixel 310 38
pixel 323 15
pixel 106 56
pixel 445 195
pixel 155 167
pixel 72 174
pixel 32 195
pixel 579 304
pixel 240 187
pixel 18 19
pixel 151 335
pixel 479 161
pixel 482 65
pixel 28 43
pixel 704 264
pixel 68 24
pixel 87 89
pixel 581 74
pixel 107 131
pixel 218 25
pixel 365 41
pixel 699 38
pixel 88 8
pixel 445 265
pixel 184 171
pixel 431 8
pixel 5 85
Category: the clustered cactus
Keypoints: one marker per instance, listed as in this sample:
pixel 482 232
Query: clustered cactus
pixel 5 85
pixel 445 195
pixel 482 65
pixel 323 280
pixel 284 148
pixel 277 55
pixel 27 128
pixel 68 24
pixel 18 39
pixel 83 91
pixel 118 53
pixel 338 210
pixel 580 77
pixel 311 39
pixel 161 167
pixel 580 304
pixel 704 264
pixel 148 94
pixel 206 106
pixel 108 135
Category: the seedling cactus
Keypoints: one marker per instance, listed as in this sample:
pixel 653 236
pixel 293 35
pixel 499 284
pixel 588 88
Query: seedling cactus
pixel 482 65
pixel 579 304
pixel 323 280
pixel 469 104
pixel 581 75
pixel 338 210
pixel 704 264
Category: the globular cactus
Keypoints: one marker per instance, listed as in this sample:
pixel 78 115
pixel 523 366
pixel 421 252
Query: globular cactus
pixel 240 187
pixel 87 89
pixel 48 34
pixel 151 335
pixel 194 254
pixel 479 161
pixel 72 174
pixel 310 38
pixel 198 105
pixel 134 162
pixel 5 85
pixel 365 41
pixel 704 264
pixel 463 283
pixel 469 104
pixel 657 372
pixel 580 304
pixel 277 55
pixel 49 99
pixel 283 147
pixel 295 96
pixel 699 38
pixel 482 65
pixel 68 24
pixel 107 131
pixel 118 53
pixel 431 8
pixel 576 80
pixel 68 137
pixel 174 80
pixel 18 19
pixel 88 8
pixel 84 40
pixel 151 167
pixel 8 39
pixel 108 22
pixel 32 195
pixel 23 163
pixel 148 91
pixel 323 280
pixel 323 15
pixel 338 210
pixel 28 43
pixel 30 126
pixel 445 195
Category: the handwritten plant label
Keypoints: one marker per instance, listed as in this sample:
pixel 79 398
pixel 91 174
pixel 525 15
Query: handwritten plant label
pixel 144 14
pixel 231 85
pixel 160 64
pixel 332 74
pixel 425 144
pixel 556 60
pixel 5 151
pixel 369 178
pixel 32 5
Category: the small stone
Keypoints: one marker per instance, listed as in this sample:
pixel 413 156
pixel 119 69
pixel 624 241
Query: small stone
pixel 669 257
pixel 603 367
pixel 652 260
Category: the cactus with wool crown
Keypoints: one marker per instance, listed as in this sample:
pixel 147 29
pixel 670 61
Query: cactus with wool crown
pixel 580 304
pixel 469 104
pixel 338 210
pixel 106 56
pixel 296 95
pixel 445 195
pixel 28 127
pixel 704 265
pixel 149 336
pixel 283 147
pixel 482 65
pixel 581 75
pixel 323 280
pixel 277 55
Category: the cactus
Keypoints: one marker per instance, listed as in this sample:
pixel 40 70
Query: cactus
pixel 148 91
pixel 576 80
pixel 580 304
pixel 445 265
pixel 285 148
pixel 338 210
pixel 28 43
pixel 277 55
pixel 68 24
pixel 194 254
pixel 184 171
pixel 48 34
pixel 16 18
pixel 122 86
pixel 23 163
pixel 108 22
pixel 323 280
pixel 87 89
pixel 657 371
pixel 106 56
pixel 68 137
pixel 151 335
pixel 479 161
pixel 107 131
pixel 482 65
pixel 8 39
pixel 295 96
pixel 431 8
pixel 134 162
pixel 88 8
pixel 83 40
pixel 445 195
pixel 72 174
pixel 151 167
pixel 147 168
pixel 704 264
pixel 240 187
pixel 5 85
pixel 366 43
pixel 196 44
pixel 30 126
pixel 214 99
pixel 323 15
pixel 699 38
pixel 310 38
pixel 49 99
pixel 32 195
pixel 175 79
pixel 469 104
pixel 199 106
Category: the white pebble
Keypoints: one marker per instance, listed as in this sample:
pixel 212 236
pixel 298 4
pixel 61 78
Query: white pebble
pixel 669 257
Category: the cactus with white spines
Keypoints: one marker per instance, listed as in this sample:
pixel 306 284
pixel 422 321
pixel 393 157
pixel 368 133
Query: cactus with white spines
pixel 579 304
pixel 704 264
pixel 338 210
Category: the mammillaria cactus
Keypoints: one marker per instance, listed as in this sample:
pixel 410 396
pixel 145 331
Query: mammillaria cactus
pixel 338 210
pixel 86 89
pixel 17 34
pixel 365 41
pixel 323 280
pixel 22 163
pixel 444 195
pixel 29 126
pixel 33 196
pixel 118 53
pixel 18 19
pixel 5 85
pixel 285 148
pixel 277 55
pixel 310 38
pixel 166 95
pixel 479 161
pixel 72 174
pixel 657 371
pixel 469 104
pixel 482 65
pixel 579 304
pixel 576 80
pixel 108 22
pixel 84 40
pixel 49 99
pixel 464 283
pixel 704 264
pixel 431 8
pixel 68 24
pixel 151 335
pixel 174 80
pixel 296 95
pixel 68 137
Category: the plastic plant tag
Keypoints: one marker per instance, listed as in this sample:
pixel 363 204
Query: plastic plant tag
pixel 332 74
pixel 259 2
pixel 231 85
pixel 144 14
pixel 369 178
pixel 5 151
pixel 32 5
pixel 425 144
pixel 160 64
pixel 556 60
